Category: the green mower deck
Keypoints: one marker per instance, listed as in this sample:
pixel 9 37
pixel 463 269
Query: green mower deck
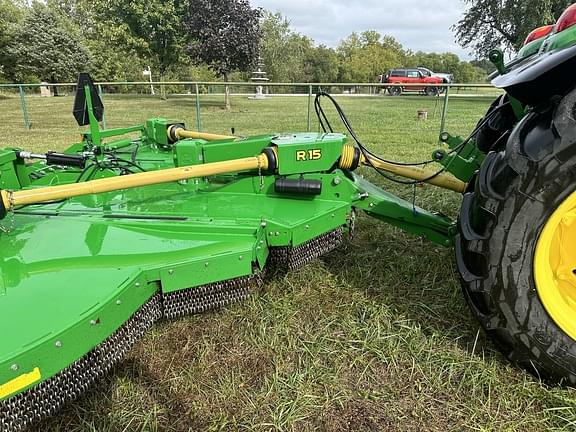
pixel 83 277
pixel 149 222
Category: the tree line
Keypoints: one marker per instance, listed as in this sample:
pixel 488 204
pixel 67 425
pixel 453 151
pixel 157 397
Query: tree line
pixel 360 57
pixel 205 40
pixel 116 40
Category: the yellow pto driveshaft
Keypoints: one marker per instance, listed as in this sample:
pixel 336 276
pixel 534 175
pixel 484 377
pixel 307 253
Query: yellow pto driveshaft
pixel 352 158
pixel 177 132
pixel 11 199
pixel 420 174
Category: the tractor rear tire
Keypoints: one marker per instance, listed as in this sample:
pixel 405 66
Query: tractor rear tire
pixel 520 194
pixel 494 133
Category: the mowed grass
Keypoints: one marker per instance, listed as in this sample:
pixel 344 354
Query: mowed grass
pixel 373 337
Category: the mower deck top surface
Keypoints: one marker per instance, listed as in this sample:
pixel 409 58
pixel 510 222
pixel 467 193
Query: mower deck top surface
pixel 84 266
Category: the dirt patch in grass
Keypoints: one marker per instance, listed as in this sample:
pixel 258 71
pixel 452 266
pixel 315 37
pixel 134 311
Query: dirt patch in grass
pixel 358 415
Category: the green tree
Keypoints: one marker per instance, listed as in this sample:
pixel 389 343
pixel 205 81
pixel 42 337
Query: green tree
pixel 370 37
pixel 437 62
pixel 45 47
pixel 468 73
pixel 284 51
pixel 349 45
pixel 463 72
pixel 10 15
pixel 113 57
pixel 116 54
pixel 225 35
pixel 484 64
pixel 490 24
pixel 112 62
pixel 321 65
pixel 139 32
pixel 77 11
pixel 363 57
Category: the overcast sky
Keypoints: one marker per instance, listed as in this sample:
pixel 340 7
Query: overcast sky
pixel 420 25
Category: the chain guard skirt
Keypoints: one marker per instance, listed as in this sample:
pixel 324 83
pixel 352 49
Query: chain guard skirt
pixel 45 399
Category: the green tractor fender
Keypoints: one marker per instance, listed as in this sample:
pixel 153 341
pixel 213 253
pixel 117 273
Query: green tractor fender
pixel 540 77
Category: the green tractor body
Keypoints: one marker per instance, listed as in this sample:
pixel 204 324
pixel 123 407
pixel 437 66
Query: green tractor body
pixel 150 222
pixel 551 37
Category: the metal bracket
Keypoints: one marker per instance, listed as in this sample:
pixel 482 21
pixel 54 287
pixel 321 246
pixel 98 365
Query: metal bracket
pixel 463 159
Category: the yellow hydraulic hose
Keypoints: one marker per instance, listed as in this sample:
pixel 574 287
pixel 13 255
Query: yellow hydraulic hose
pixel 52 193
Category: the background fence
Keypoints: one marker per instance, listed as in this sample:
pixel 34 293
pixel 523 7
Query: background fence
pixel 198 90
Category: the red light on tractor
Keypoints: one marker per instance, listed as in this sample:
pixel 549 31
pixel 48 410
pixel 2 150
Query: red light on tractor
pixel 539 33
pixel 567 19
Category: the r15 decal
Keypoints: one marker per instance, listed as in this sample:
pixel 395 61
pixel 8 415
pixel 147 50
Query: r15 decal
pixel 308 155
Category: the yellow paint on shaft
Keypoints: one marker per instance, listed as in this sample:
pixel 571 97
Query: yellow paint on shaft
pixel 347 159
pixel 53 193
pixel 183 133
pixel 415 173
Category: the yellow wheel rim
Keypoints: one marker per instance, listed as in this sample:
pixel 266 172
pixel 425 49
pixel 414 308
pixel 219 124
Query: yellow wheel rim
pixel 555 266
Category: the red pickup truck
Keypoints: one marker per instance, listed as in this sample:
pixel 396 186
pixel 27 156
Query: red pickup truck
pixel 410 76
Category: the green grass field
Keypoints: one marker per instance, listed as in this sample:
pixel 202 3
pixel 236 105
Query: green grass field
pixel 373 337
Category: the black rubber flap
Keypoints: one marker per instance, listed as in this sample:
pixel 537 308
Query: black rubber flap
pixel 80 109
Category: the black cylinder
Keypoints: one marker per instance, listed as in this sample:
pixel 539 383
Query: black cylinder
pixel 298 186
pixel 65 159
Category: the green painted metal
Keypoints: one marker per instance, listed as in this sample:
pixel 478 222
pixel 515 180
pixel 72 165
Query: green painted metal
pixel 73 271
pixel 531 48
pixel 156 130
pixel 496 57
pixel 101 94
pixel 307 152
pixel 219 151
pixel 198 111
pixel 24 107
pixel 405 215
pixel 94 128
pixel 552 42
pixel 9 178
pixel 463 163
pixel 445 110
pixel 187 153
pixel 564 39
